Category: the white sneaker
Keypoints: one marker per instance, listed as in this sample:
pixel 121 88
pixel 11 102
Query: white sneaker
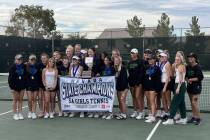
pixel 140 116
pixel 72 114
pixel 159 113
pixel 33 116
pixel 20 115
pixel 148 117
pixel 182 121
pixel 177 116
pixel 109 117
pixel 51 115
pixel 29 115
pixel 82 115
pixel 90 115
pixel 46 116
pixel 60 114
pixel 16 117
pixel 96 115
pixel 134 114
pixel 65 114
pixel 104 116
pixel 151 120
pixel 121 116
pixel 169 122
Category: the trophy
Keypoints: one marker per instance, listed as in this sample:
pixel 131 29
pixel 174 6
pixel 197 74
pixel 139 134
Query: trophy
pixel 89 63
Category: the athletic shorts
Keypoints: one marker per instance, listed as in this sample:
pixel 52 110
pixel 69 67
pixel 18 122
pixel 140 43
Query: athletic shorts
pixel 194 89
pixel 169 86
pixel 32 88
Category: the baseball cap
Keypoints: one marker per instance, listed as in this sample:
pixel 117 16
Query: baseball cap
pixel 75 57
pixel 134 50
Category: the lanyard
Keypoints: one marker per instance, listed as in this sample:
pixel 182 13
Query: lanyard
pixel 75 71
pixel 161 65
pixel 107 71
pixel 151 71
pixel 19 69
pixel 32 70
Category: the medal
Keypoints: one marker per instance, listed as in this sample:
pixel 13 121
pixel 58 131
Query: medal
pixel 32 77
pixel 19 77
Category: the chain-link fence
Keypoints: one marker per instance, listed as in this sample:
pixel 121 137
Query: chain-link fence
pixel 105 41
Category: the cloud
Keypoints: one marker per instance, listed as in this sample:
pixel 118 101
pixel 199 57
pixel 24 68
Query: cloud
pixel 93 15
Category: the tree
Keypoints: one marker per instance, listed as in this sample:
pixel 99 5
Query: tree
pixel 194 28
pixel 57 35
pixel 135 27
pixel 163 28
pixel 77 35
pixel 31 21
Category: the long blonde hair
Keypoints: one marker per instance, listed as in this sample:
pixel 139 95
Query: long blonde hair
pixel 180 54
pixel 119 67
pixel 54 64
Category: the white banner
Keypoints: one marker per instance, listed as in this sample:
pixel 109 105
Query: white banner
pixel 96 94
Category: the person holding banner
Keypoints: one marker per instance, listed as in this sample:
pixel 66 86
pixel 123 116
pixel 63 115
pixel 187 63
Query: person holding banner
pixel 107 70
pixel 17 81
pixel 32 85
pixel 94 68
pixel 76 71
pixel 63 70
pixel 49 78
pixel 121 86
pixel 136 73
pixel 115 53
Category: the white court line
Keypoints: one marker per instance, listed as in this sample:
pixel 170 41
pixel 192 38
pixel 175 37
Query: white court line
pixel 153 130
pixel 10 111
pixel 3 82
pixel 3 86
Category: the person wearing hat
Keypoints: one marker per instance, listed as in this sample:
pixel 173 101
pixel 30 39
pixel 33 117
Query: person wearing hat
pixel 17 82
pixel 146 55
pixel 32 85
pixel 166 69
pixel 159 97
pixel 75 70
pixel 135 79
pixel 194 77
pixel 151 84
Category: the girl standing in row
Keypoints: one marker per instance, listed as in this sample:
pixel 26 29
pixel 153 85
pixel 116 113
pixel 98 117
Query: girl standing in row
pixel 49 78
pixel 33 85
pixel 17 81
pixel 136 73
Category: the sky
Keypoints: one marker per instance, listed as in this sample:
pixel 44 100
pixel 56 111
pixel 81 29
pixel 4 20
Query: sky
pixel 96 15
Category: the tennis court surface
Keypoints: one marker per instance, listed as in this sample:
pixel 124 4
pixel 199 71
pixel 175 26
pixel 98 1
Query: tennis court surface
pixel 95 129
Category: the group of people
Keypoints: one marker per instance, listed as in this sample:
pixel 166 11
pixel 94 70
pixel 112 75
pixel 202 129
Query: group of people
pixel 151 79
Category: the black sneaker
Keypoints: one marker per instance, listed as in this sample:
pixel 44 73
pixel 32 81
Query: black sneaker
pixel 192 120
pixel 197 121
pixel 165 117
